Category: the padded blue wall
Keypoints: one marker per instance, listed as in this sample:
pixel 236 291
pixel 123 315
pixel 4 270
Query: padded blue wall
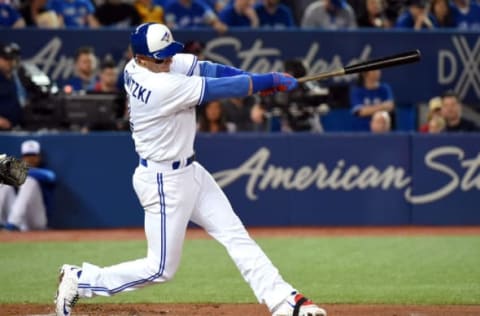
pixel 278 179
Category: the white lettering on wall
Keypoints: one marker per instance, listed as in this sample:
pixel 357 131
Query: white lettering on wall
pixel 459 66
pixel 262 175
pixel 258 58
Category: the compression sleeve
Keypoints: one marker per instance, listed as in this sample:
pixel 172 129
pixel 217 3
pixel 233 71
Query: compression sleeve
pixel 228 87
pixel 214 70
pixel 236 86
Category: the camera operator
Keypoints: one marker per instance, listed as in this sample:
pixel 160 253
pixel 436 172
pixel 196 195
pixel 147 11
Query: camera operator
pixel 299 109
pixel 35 93
pixel 10 109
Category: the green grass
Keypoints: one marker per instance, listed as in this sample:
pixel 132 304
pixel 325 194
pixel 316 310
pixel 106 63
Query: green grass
pixel 396 270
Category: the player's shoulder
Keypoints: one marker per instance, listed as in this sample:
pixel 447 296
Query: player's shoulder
pixel 183 57
pixel 184 64
pixel 131 65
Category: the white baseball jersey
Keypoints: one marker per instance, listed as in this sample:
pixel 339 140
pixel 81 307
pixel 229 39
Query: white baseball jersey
pixel 163 120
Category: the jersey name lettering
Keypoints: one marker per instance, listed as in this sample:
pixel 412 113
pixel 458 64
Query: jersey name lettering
pixel 136 90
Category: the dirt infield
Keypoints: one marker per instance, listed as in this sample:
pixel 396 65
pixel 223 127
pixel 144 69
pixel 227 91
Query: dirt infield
pixel 193 233
pixel 238 309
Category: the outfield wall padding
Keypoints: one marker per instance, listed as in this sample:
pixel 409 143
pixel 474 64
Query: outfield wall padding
pixel 279 180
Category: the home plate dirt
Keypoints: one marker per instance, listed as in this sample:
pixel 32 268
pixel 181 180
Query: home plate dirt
pixel 235 310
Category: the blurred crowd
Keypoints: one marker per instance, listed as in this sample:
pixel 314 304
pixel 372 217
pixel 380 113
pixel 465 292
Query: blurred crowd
pixel 25 98
pixel 224 14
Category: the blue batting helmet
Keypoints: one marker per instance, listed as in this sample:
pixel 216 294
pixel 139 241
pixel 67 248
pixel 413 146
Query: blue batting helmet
pixel 154 40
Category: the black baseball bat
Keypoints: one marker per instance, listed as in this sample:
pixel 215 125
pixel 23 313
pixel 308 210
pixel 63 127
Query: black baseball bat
pixel 384 62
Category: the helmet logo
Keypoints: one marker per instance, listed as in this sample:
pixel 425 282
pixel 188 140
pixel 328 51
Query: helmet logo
pixel 166 37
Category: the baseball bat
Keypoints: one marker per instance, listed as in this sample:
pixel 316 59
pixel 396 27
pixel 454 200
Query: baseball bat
pixel 384 62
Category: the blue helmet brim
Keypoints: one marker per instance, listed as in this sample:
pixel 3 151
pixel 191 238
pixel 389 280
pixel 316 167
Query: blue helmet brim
pixel 168 51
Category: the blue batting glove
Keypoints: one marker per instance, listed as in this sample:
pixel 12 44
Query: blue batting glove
pixel 284 81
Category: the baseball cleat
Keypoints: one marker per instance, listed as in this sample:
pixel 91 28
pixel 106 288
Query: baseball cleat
pixel 298 305
pixel 67 293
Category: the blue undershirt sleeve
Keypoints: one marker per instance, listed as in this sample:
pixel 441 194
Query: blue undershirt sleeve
pixel 236 86
pixel 214 70
pixel 228 87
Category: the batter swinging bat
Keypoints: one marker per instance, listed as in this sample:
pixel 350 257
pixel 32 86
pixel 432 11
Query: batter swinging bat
pixel 389 61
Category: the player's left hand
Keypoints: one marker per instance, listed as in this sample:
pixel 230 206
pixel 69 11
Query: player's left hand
pixel 13 171
pixel 284 81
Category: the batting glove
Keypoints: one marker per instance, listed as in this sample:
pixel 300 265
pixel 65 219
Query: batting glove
pixel 284 82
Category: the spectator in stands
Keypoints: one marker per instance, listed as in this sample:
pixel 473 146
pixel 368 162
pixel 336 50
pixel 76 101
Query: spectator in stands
pixel 258 116
pixel 191 14
pixel 211 119
pixel 273 14
pixel 434 110
pixel 28 207
pixel 217 5
pixel 149 11
pixel 436 124
pixel 107 79
pixel 240 13
pixel 107 84
pixel 117 13
pixel 74 13
pixel 36 14
pixel 10 17
pixel 416 16
pixel 196 48
pixel 298 8
pixel 84 76
pixel 466 14
pixel 10 109
pixel 372 14
pixel 393 8
pixel 441 11
pixel 329 15
pixel 452 113
pixel 381 122
pixel 369 96
pixel 238 112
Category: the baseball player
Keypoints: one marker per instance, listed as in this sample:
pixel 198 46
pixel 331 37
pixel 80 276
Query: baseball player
pixel 164 87
pixel 27 207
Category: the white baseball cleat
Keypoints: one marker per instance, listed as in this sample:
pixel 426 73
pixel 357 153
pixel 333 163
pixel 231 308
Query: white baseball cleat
pixel 67 292
pixel 298 305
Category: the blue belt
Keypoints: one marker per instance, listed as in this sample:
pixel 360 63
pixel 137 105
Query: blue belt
pixel 175 165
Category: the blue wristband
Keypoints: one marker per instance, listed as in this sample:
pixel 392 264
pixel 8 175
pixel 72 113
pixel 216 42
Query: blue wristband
pixel 262 82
